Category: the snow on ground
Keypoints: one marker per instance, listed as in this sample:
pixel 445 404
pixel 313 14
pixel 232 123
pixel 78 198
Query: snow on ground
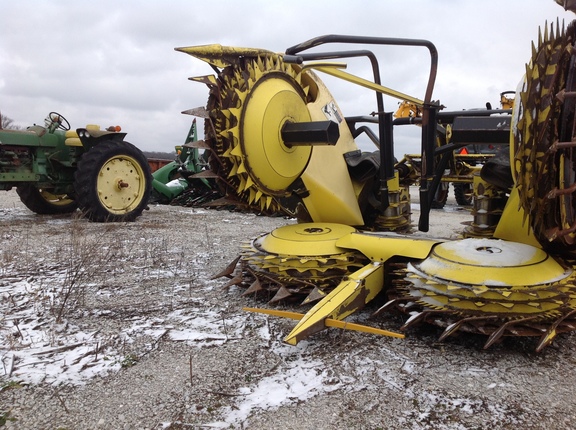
pixel 148 330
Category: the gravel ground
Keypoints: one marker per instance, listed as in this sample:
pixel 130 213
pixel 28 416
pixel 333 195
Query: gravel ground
pixel 167 347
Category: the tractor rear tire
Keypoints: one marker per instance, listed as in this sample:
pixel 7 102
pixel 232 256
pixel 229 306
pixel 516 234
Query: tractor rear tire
pixel 43 202
pixel 441 196
pixel 113 182
pixel 464 194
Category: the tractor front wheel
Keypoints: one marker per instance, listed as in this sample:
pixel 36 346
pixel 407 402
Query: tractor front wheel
pixel 113 182
pixel 44 202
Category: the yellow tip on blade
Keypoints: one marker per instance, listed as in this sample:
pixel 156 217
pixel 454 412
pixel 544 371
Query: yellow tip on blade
pixel 329 322
pixel 221 56
pixel 349 296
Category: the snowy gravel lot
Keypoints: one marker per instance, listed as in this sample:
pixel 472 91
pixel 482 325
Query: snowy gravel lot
pixel 118 326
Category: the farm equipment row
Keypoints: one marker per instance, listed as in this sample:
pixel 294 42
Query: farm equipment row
pixel 277 141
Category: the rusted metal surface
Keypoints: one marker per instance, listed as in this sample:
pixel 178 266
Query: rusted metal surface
pixel 157 163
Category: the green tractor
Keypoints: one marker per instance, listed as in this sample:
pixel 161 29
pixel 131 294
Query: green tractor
pixel 57 170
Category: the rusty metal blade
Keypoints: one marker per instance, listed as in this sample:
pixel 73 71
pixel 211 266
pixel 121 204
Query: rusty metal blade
pixel 200 112
pixel 224 201
pixel 494 337
pixel 205 174
pixel 254 288
pixel 229 270
pixel 199 144
pixel 387 306
pixel 281 294
pixel 234 281
pixel 418 317
pixel 453 328
pixel 208 80
pixel 551 333
pixel 450 330
pixel 314 296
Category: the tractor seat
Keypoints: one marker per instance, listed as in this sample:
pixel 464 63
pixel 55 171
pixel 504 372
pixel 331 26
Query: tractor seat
pixel 72 138
pixel 362 165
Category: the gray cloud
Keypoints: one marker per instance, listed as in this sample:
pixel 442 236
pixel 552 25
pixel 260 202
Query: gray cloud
pixel 110 62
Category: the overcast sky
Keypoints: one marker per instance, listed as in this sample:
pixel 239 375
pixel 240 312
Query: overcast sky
pixel 113 62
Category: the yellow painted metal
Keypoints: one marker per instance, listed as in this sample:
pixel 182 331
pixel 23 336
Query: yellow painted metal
pixel 121 183
pixel 331 65
pixel 501 280
pixel 366 83
pixel 408 110
pixel 303 257
pixel 548 301
pixel 72 138
pixel 382 246
pixel 332 193
pixel 349 296
pixel 325 202
pixel 330 322
pixel 506 102
pixel 306 239
pixel 513 225
pixel 270 163
pixel 247 90
pixel 492 263
pixel 56 199
pixel 261 167
pixel 221 56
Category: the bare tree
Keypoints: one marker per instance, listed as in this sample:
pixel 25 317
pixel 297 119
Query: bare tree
pixel 7 123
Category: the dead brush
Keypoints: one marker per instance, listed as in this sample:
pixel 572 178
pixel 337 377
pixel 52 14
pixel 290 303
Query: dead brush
pixel 15 252
pixel 86 258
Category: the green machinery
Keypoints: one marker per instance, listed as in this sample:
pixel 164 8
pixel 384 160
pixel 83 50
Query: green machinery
pixel 56 170
pixel 184 181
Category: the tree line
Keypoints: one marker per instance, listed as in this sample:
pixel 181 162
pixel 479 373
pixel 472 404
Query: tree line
pixel 7 123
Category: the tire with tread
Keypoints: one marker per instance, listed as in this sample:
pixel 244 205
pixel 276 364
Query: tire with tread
pixel 106 194
pixel 441 196
pixel 463 194
pixel 43 202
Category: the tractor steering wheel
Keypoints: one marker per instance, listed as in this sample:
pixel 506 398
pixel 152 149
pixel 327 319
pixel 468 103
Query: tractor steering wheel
pixel 62 122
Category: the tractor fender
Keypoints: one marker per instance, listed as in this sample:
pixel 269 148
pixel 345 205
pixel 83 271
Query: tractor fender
pixel 91 138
